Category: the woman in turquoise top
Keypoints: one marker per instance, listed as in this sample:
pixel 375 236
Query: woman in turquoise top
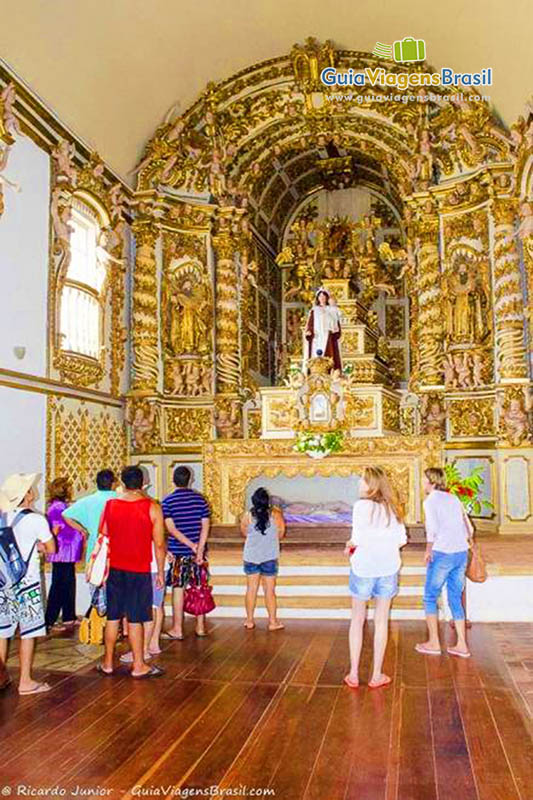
pixel 262 527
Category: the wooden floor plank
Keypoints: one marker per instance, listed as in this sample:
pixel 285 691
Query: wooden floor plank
pixel 303 743
pixel 491 769
pixel 316 655
pixel 416 777
pixel 331 772
pixel 514 732
pixel 338 662
pixel 175 764
pixel 215 762
pixel 289 655
pixel 263 754
pixel 452 760
pixel 180 717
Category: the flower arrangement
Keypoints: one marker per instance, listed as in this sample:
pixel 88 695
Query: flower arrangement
pixel 467 488
pixel 319 445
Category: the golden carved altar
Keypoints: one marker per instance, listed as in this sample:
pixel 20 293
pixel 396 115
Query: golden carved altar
pixel 229 466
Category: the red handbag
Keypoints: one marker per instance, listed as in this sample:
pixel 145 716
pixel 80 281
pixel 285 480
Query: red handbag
pixel 198 598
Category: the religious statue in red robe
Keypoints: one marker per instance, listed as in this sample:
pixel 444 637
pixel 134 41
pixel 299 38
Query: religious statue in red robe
pixel 323 330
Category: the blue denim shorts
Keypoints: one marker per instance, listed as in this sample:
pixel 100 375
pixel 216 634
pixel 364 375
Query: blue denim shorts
pixel 267 568
pixel 365 588
pixel 158 595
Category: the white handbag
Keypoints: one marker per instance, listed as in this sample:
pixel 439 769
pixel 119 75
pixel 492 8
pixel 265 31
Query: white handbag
pixel 98 567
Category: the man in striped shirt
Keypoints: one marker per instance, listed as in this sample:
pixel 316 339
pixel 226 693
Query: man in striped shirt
pixel 186 516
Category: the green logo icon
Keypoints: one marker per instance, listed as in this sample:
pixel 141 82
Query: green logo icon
pixel 404 50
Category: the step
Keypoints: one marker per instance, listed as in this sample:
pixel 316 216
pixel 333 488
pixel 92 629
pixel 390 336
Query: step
pixel 314 613
pixel 304 534
pixel 221 578
pixel 316 602
pixel 312 558
pixel 306 569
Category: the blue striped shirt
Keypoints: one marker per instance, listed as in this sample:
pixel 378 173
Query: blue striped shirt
pixel 187 509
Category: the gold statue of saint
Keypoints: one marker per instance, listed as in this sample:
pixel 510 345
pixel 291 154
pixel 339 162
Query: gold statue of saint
pixel 465 307
pixel 189 332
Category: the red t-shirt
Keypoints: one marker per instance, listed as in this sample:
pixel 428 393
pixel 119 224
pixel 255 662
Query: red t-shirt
pixel 129 529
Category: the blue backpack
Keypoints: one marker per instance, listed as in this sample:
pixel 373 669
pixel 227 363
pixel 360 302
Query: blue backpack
pixel 13 567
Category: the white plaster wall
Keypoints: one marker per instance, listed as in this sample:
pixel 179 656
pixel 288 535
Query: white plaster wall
pixel 23 434
pixel 502 598
pixel 24 259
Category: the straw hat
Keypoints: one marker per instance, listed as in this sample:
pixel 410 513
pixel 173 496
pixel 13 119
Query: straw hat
pixel 14 489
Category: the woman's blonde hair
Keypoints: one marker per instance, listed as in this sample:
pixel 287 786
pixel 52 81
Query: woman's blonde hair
pixel 436 477
pixel 381 491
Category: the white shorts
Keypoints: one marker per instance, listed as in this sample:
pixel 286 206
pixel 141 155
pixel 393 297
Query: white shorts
pixel 22 607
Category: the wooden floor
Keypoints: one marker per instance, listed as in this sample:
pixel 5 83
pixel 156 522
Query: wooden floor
pixel 243 710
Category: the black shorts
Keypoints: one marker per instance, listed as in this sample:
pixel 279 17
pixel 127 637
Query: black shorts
pixel 129 594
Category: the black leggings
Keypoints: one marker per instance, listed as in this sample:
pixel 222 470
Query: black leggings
pixel 62 595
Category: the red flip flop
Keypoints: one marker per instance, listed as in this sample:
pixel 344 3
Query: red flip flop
pixel 350 683
pixel 386 682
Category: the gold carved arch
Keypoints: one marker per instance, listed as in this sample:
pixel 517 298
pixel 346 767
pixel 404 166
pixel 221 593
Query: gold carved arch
pixel 231 140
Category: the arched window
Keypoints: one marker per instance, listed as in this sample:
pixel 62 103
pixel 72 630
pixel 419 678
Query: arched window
pixel 82 296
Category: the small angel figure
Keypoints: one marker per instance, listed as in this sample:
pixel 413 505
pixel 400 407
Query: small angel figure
pixel 449 372
pixel 108 241
pixel 142 422
pixel 117 202
pixel 4 155
pixel 9 123
pixel 337 395
pixel 177 380
pixel 462 371
pixel 515 418
pixel 477 370
pixel 227 422
pixel 206 384
pixel 63 155
pixel 433 416
pixel 60 213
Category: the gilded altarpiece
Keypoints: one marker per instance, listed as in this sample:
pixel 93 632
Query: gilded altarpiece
pixel 440 331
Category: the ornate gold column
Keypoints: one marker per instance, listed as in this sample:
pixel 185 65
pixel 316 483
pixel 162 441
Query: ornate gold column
pixel 525 232
pixel 510 350
pixel 228 362
pixel 145 325
pixel 228 376
pixel 428 288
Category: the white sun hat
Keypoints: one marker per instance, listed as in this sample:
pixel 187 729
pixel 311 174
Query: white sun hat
pixel 14 489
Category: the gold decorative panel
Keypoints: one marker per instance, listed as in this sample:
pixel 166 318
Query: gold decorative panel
pixel 186 424
pixel 83 438
pixel 230 466
pixel 471 418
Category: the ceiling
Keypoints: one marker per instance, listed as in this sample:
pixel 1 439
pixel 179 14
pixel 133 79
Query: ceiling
pixel 111 69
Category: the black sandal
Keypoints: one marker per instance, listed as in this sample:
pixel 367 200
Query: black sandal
pixel 102 671
pixel 155 672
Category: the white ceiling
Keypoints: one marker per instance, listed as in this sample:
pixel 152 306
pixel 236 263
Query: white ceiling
pixel 111 69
